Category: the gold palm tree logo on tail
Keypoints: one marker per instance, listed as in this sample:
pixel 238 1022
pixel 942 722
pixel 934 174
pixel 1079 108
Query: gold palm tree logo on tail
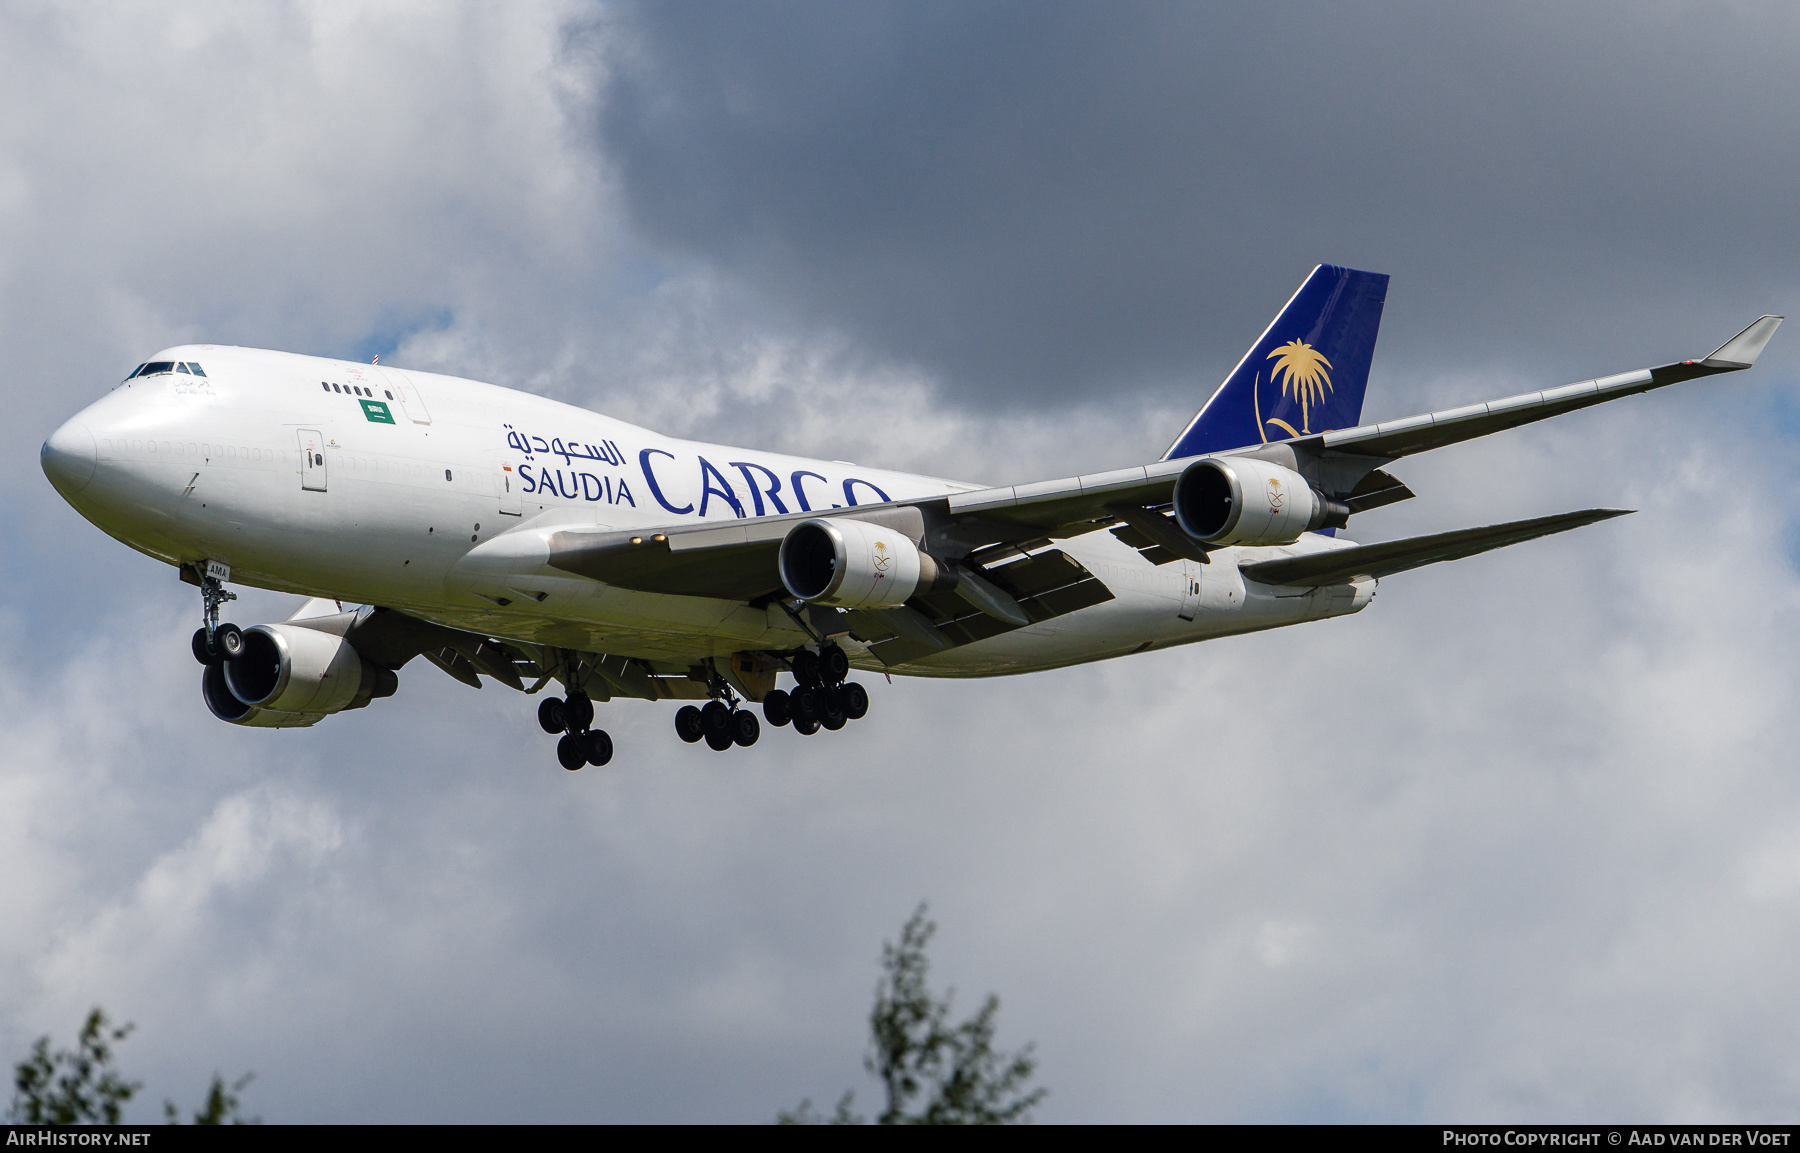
pixel 1301 370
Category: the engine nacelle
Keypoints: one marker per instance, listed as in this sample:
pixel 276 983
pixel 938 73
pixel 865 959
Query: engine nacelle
pixel 854 564
pixel 290 676
pixel 1241 500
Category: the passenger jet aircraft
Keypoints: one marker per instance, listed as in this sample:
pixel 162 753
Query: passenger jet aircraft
pixel 502 535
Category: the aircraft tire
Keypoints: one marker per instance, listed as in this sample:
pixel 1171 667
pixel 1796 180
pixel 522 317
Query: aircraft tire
pixel 596 746
pixel 715 717
pixel 550 715
pixel 570 753
pixel 229 639
pixel 804 727
pixel 854 700
pixel 204 653
pixel 687 724
pixel 718 742
pixel 578 712
pixel 834 665
pixel 744 728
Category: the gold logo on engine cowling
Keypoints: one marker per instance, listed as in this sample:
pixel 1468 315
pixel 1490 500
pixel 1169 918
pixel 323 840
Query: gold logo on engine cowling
pixel 1301 370
pixel 882 557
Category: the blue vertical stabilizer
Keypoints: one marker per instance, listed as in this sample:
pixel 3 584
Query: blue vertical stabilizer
pixel 1306 374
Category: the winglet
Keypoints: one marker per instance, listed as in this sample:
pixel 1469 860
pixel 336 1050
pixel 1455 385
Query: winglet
pixel 1742 350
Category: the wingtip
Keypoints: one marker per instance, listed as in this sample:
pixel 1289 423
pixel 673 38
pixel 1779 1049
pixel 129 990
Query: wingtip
pixel 1742 350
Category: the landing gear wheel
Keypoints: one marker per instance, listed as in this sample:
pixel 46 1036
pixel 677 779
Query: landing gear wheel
pixel 778 708
pixel 834 665
pixel 550 715
pixel 596 746
pixel 578 712
pixel 688 725
pixel 570 752
pixel 833 716
pixel 229 640
pixel 204 653
pixel 854 700
pixel 718 742
pixel 805 728
pixel 715 718
pixel 744 729
pixel 806 705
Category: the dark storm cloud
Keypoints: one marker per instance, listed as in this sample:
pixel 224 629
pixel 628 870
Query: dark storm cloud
pixel 1042 200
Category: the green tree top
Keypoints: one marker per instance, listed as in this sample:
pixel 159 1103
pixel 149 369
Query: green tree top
pixel 934 1073
pixel 78 1087
pixel 81 1087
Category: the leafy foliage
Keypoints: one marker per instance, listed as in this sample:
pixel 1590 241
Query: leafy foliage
pixel 81 1087
pixel 934 1073
pixel 221 1106
pixel 78 1087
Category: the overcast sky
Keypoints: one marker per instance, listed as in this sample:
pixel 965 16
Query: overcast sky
pixel 1521 841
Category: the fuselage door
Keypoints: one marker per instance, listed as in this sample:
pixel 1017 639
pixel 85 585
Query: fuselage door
pixel 312 460
pixel 411 399
pixel 506 479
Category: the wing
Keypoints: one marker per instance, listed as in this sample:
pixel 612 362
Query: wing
pixel 1379 560
pixel 1344 464
pixel 1393 439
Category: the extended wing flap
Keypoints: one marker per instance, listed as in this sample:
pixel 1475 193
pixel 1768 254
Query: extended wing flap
pixel 1045 584
pixel 1379 560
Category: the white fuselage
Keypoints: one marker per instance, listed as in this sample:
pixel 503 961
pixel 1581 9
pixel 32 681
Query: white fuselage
pixel 366 484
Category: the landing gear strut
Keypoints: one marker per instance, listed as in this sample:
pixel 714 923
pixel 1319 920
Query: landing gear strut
pixel 214 642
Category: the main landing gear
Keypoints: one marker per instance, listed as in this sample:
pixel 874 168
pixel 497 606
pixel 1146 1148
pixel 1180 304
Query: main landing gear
pixel 215 643
pixel 720 724
pixel 821 699
pixel 580 745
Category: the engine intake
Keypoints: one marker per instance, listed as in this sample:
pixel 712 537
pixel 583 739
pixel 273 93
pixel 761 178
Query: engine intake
pixel 854 564
pixel 1240 500
pixel 290 676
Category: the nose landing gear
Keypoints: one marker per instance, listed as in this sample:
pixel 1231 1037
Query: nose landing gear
pixel 214 642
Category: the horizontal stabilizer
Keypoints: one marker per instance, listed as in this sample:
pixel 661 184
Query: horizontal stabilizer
pixel 1379 560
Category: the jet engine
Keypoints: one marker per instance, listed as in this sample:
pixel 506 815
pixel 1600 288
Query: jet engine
pixel 290 676
pixel 854 564
pixel 1240 500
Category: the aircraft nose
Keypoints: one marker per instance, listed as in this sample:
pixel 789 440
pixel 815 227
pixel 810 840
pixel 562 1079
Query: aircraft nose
pixel 69 457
